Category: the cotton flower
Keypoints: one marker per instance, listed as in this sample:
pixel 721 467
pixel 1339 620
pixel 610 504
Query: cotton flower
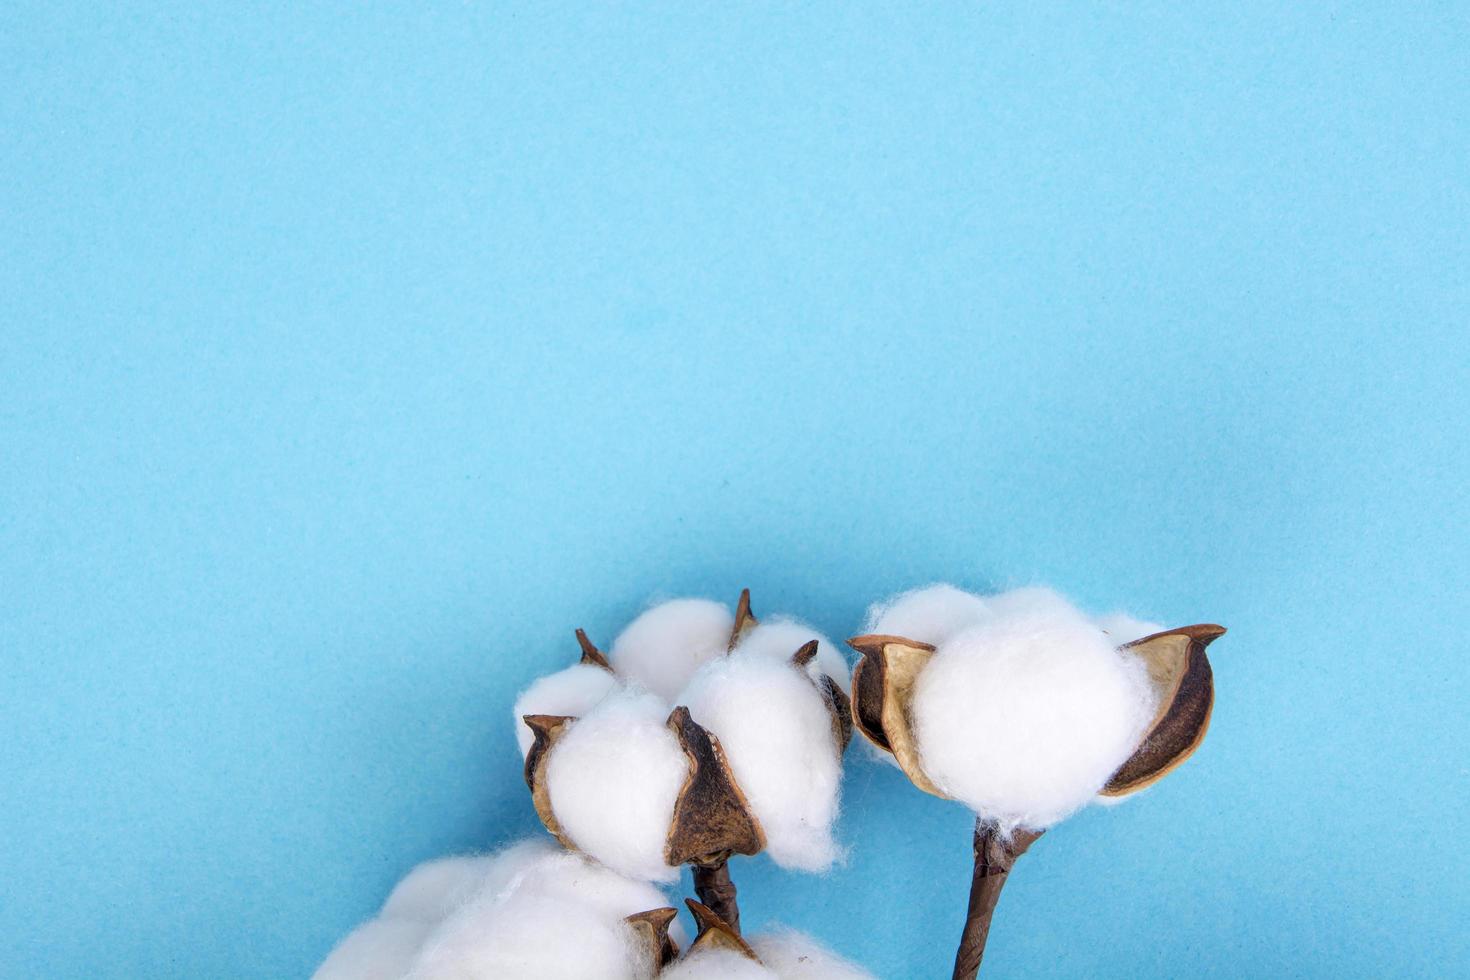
pixel 1025 709
pixel 1019 705
pixel 744 755
pixel 532 910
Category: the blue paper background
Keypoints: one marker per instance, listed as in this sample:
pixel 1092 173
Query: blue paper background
pixel 352 355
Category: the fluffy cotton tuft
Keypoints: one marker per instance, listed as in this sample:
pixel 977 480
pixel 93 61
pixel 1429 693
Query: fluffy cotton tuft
pixel 574 691
pixel 930 615
pixel 381 949
pixel 717 964
pixel 782 637
pixel 794 956
pixel 1123 628
pixel 1025 716
pixel 784 955
pixel 661 649
pixel 776 731
pixel 531 910
pixel 435 888
pixel 613 778
pixel 560 917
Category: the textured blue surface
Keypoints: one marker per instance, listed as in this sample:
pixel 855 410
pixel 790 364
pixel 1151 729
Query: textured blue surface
pixel 353 356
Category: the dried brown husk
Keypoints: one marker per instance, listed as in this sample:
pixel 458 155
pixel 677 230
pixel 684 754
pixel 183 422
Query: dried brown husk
pixel 716 933
pixel 712 818
pixel 590 653
pixel 745 621
pixel 882 699
pixel 652 931
pixel 832 694
pixel 1180 673
pixel 547 731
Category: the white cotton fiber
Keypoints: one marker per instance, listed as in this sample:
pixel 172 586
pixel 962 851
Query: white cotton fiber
pixel 780 638
pixel 930 615
pixel 1024 717
pixel 435 888
pixel 613 778
pixel 559 918
pixel 776 731
pixel 1123 628
pixel 573 691
pixel 532 910
pixel 717 964
pixel 661 649
pixel 381 949
pixel 794 956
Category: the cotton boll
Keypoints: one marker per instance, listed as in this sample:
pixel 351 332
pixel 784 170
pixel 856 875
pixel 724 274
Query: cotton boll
pixel 381 949
pixel 662 648
pixel 929 615
pixel 776 731
pixel 794 956
pixel 780 638
pixel 717 964
pixel 1024 718
pixel 613 779
pixel 1123 628
pixel 573 691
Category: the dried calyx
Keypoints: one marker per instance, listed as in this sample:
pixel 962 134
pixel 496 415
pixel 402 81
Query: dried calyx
pixel 651 933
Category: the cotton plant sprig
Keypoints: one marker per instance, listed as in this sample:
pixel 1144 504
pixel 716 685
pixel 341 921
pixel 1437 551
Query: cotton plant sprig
pixel 701 734
pixel 1024 709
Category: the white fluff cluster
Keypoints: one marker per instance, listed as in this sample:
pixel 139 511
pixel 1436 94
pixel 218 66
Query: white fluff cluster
pixel 530 911
pixel 784 955
pixel 795 956
pixel 613 779
pixel 573 691
pixel 661 649
pixel 614 776
pixel 1027 708
pixel 776 730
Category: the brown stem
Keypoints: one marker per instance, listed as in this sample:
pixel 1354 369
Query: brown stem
pixel 994 855
pixel 713 886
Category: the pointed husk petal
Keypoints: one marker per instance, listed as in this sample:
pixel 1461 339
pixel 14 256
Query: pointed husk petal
pixel 1180 672
pixel 548 729
pixel 715 932
pixel 712 818
pixel 883 692
pixel 652 930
